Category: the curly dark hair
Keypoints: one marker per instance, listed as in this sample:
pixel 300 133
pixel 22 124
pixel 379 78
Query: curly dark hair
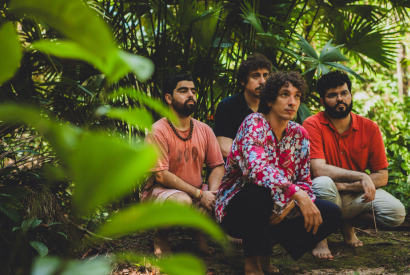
pixel 171 83
pixel 332 80
pixel 252 63
pixel 274 83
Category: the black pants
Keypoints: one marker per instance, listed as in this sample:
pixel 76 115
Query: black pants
pixel 247 218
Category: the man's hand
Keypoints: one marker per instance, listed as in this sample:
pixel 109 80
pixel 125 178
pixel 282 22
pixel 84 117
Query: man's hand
pixel 275 218
pixel 309 210
pixel 208 199
pixel 369 189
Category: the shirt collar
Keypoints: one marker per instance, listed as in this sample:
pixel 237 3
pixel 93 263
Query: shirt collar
pixel 324 119
pixel 243 103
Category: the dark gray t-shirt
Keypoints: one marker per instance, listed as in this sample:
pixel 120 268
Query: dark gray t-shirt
pixel 230 114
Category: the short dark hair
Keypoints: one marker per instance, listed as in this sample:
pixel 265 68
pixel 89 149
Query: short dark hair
pixel 171 83
pixel 252 63
pixel 332 80
pixel 274 83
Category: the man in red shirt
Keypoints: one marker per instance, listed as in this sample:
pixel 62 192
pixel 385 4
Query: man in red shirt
pixel 343 146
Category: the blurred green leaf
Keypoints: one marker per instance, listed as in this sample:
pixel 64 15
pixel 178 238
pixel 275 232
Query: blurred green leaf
pixel 138 117
pixel 61 233
pixel 53 265
pixel 106 168
pixel 35 223
pixel 10 52
pixel 62 138
pixel 149 216
pixel 25 225
pixel 40 247
pixel 24 150
pixel 176 265
pixel 73 19
pixel 156 105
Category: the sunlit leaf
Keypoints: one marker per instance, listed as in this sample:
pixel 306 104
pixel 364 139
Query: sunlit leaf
pixel 250 16
pixel 156 105
pixel 176 265
pixel 142 67
pixel 138 117
pixel 73 19
pixel 10 52
pixel 148 216
pixel 40 247
pixel 106 168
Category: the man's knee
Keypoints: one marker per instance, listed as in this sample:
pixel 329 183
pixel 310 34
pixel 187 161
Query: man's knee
pixel 325 189
pixel 393 216
pixel 180 197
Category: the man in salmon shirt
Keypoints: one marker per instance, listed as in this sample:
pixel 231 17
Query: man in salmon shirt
pixel 183 149
pixel 343 146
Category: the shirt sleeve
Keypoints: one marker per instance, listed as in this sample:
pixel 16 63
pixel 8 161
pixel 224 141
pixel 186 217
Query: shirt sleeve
pixel 213 156
pixel 315 138
pixel 377 154
pixel 161 146
pixel 253 161
pixel 223 121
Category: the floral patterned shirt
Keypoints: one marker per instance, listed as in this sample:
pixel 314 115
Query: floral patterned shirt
pixel 258 157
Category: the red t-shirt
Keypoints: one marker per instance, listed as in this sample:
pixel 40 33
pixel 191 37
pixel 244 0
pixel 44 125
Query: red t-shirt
pixel 360 147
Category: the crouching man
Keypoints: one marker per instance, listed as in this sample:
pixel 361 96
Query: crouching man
pixel 265 196
pixel 183 150
pixel 344 145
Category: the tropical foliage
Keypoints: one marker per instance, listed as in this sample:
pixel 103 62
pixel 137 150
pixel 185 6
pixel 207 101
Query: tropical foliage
pixel 81 81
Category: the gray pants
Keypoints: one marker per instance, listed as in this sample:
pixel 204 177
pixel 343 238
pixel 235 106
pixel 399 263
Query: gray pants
pixel 388 210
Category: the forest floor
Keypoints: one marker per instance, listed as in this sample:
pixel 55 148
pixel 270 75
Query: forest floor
pixel 384 252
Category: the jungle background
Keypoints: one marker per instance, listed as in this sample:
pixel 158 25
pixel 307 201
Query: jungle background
pixel 81 82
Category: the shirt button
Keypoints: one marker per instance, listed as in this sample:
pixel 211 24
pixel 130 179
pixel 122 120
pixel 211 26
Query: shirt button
pixel 341 153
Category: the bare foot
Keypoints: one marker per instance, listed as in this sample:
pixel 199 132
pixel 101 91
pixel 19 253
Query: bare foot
pixel 322 251
pixel 234 240
pixel 267 267
pixel 349 236
pixel 200 240
pixel 161 244
pixel 253 266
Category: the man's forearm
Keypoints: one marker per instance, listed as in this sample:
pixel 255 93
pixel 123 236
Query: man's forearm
pixel 214 179
pixel 335 173
pixel 170 180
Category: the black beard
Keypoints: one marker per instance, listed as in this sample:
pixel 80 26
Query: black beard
pixel 185 109
pixel 333 112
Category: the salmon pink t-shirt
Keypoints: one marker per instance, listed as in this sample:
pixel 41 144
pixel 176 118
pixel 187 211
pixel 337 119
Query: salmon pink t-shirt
pixel 184 159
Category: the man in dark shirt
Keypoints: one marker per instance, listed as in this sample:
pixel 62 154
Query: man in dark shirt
pixel 231 111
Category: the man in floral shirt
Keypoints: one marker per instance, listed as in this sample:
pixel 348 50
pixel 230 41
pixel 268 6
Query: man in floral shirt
pixel 267 178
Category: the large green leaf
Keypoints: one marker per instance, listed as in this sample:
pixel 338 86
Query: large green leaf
pixel 10 52
pixel 307 49
pixel 62 138
pixel 11 212
pixel 176 265
pixel 106 168
pixel 156 105
pixel 40 247
pixel 138 117
pixel 115 64
pixel 53 265
pixel 149 216
pixel 350 71
pixel 331 53
pixel 73 19
pixel 250 16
